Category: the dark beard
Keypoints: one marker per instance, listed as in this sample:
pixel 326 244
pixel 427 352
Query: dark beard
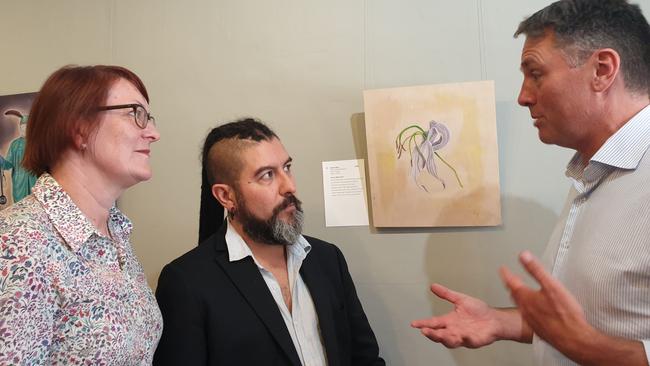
pixel 273 231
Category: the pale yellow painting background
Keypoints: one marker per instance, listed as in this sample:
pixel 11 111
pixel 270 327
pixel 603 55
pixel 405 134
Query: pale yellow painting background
pixel 468 111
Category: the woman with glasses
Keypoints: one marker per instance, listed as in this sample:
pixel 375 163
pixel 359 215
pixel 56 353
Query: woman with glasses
pixel 72 291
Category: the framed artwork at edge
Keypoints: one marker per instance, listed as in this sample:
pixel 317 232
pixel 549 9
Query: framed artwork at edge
pixel 15 182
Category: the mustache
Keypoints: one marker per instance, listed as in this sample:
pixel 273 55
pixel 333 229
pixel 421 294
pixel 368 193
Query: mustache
pixel 289 200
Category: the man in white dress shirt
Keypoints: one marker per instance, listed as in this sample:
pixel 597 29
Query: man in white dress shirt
pixel 586 66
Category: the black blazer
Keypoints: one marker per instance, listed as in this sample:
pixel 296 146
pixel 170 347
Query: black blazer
pixel 220 313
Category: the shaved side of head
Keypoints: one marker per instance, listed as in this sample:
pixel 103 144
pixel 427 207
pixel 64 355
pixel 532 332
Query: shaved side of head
pixel 225 162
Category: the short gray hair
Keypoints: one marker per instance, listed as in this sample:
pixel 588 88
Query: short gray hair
pixel 584 26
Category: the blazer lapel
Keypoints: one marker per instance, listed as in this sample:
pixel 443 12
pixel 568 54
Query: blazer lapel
pixel 320 293
pixel 246 277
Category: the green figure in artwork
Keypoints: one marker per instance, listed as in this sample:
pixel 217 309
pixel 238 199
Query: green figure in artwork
pixel 21 180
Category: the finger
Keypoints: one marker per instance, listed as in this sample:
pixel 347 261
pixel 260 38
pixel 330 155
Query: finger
pixel 536 269
pixel 433 323
pixel 445 293
pixel 442 337
pixel 519 292
pixel 512 281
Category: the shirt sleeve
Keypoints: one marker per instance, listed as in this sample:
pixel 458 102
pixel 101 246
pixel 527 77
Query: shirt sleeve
pixel 26 308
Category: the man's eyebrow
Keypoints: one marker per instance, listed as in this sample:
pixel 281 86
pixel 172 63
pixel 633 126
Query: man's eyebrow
pixel 527 63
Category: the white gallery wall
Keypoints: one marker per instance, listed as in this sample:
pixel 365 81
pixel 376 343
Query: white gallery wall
pixel 301 66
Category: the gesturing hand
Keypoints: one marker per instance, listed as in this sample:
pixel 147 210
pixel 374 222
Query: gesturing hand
pixel 471 324
pixel 551 312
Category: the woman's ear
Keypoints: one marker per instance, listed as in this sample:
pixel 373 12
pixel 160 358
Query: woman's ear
pixel 80 141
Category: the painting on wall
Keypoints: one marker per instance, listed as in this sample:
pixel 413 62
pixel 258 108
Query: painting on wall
pixel 433 155
pixel 15 182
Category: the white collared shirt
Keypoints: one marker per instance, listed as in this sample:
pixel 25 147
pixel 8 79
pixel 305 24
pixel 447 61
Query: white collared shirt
pixel 600 249
pixel 302 322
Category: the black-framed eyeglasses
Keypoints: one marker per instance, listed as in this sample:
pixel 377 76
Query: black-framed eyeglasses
pixel 140 115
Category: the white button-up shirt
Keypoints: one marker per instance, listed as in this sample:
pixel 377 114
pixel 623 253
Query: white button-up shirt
pixel 600 249
pixel 302 322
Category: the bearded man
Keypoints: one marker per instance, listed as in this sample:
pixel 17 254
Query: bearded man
pixel 255 291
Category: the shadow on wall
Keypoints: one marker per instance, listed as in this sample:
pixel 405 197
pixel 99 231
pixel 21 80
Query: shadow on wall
pixel 467 259
pixel 469 263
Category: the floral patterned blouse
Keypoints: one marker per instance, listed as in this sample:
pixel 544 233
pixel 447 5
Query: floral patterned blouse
pixel 68 295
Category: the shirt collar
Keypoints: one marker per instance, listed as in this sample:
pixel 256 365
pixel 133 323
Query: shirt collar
pixel 623 150
pixel 73 226
pixel 238 249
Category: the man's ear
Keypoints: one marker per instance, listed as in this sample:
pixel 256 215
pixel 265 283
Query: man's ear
pixel 225 195
pixel 607 65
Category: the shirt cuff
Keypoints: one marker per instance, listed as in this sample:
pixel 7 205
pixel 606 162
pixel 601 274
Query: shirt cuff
pixel 646 347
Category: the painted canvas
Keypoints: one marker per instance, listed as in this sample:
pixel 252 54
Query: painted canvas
pixel 15 182
pixel 433 156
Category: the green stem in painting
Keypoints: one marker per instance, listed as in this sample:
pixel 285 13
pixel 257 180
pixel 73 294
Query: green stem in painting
pixel 412 138
pixel 399 145
pixel 450 167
